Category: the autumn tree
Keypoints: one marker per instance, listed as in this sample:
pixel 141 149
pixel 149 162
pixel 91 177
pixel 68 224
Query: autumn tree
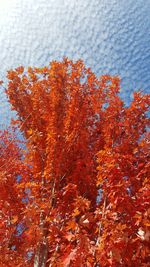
pixel 83 192
pixel 12 202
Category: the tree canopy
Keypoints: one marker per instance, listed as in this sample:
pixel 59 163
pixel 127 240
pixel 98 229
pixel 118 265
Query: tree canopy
pixel 78 195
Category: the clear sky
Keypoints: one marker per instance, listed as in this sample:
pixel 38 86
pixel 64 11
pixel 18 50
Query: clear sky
pixel 111 36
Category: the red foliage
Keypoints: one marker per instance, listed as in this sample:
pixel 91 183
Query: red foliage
pixel 80 140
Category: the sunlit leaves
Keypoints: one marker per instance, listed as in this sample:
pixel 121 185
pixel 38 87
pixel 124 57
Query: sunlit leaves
pixel 83 194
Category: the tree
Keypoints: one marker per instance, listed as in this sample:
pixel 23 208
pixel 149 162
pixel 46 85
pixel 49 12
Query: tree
pixel 83 188
pixel 11 200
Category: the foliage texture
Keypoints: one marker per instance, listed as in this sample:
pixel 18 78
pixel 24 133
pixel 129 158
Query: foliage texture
pixel 78 195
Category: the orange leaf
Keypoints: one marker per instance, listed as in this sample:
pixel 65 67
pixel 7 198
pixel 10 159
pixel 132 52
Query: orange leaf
pixel 71 225
pixel 14 219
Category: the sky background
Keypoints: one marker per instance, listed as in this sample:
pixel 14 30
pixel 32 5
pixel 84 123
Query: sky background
pixel 111 36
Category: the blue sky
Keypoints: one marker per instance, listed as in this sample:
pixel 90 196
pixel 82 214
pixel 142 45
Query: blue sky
pixel 111 36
